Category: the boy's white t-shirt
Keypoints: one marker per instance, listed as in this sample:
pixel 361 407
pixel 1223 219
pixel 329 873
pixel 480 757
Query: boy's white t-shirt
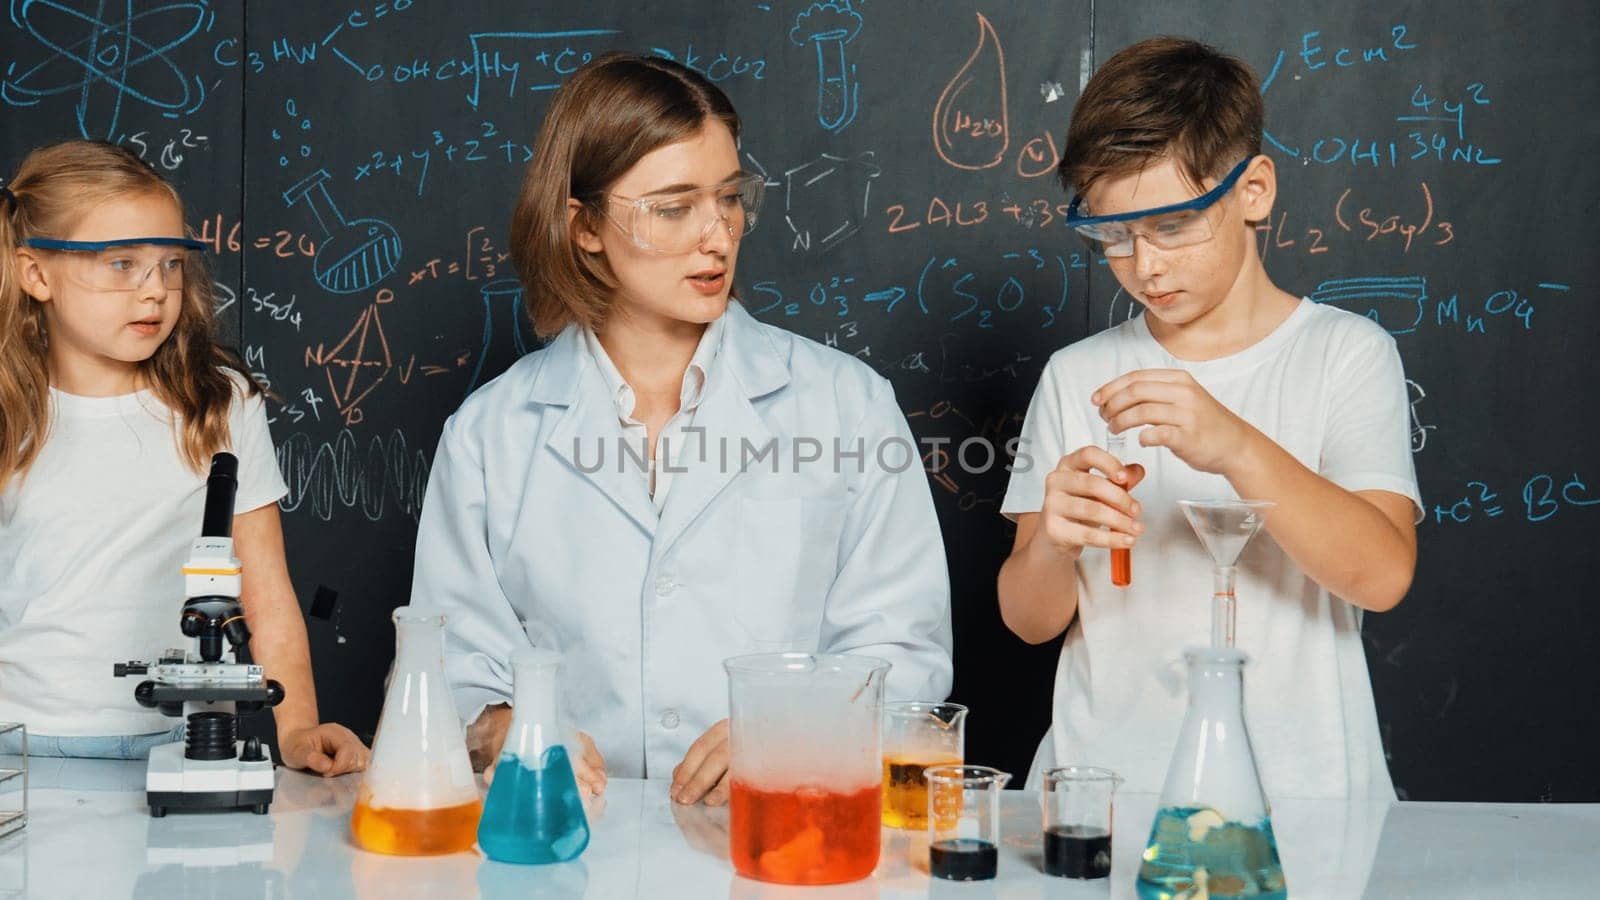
pixel 92 543
pixel 1326 385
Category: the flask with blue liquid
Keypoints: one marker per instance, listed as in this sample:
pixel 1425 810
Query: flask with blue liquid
pixel 533 813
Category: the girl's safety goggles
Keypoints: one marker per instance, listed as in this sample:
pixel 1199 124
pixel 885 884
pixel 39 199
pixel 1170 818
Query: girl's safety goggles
pixel 124 264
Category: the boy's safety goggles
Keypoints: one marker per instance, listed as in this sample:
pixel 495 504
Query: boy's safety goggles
pixel 1167 227
pixel 678 223
pixel 124 264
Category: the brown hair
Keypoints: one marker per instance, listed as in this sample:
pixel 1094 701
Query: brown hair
pixel 604 119
pixel 1163 97
pixel 55 188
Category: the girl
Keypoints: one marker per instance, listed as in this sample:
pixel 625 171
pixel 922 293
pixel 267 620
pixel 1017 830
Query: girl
pixel 113 398
pixel 669 482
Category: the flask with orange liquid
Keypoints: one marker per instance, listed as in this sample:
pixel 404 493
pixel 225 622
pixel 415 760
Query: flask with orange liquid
pixel 418 797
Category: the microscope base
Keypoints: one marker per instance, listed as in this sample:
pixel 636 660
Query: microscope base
pixel 173 781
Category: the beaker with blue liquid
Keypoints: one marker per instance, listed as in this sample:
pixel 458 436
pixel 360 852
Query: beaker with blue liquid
pixel 534 813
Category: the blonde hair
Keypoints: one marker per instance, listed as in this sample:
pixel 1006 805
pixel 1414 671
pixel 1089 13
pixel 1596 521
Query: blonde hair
pixel 54 189
pixel 606 117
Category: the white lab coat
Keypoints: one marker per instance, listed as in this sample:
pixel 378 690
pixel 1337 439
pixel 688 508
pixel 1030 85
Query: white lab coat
pixel 519 544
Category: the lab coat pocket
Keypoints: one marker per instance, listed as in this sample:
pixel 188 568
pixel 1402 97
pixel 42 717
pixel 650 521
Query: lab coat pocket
pixel 786 563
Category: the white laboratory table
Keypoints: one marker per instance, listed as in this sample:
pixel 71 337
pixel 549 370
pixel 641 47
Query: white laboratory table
pixel 89 835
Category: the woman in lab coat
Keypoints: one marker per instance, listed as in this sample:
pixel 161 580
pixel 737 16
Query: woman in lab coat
pixel 669 482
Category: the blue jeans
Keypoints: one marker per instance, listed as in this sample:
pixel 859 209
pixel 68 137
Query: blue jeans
pixel 112 746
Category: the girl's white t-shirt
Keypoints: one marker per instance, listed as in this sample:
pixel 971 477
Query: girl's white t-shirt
pixel 1326 385
pixel 92 543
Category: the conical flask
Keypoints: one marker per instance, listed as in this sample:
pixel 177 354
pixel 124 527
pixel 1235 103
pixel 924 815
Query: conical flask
pixel 533 813
pixel 1212 835
pixel 418 797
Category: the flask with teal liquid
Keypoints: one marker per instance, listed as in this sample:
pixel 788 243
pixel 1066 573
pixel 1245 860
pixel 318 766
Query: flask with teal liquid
pixel 533 813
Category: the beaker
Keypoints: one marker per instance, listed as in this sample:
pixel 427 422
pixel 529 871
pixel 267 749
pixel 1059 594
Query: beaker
pixel 917 734
pixel 964 821
pixel 533 813
pixel 1213 829
pixel 1224 528
pixel 418 797
pixel 1078 804
pixel 805 767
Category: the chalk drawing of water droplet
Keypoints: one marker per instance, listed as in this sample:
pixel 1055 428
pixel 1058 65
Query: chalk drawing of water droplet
pixel 971 129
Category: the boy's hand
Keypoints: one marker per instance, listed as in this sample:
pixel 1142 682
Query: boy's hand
pixel 1177 413
pixel 1079 506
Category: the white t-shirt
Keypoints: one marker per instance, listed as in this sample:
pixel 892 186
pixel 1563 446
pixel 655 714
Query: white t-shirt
pixel 92 543
pixel 1328 387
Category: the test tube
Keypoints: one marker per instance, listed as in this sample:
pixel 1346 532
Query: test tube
pixel 1121 557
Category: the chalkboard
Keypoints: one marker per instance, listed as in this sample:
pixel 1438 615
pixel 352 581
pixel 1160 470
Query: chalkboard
pixel 353 167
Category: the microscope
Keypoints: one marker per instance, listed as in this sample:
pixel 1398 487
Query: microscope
pixel 210 768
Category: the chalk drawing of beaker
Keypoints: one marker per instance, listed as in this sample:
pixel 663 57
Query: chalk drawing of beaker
pixel 502 325
pixel 353 255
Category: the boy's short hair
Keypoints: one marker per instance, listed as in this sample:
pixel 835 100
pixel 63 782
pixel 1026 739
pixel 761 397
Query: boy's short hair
pixel 1163 97
pixel 604 119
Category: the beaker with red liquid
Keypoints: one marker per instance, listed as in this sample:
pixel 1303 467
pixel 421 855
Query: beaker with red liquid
pixel 805 735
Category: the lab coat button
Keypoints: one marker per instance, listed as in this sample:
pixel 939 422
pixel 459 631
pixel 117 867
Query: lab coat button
pixel 664 586
pixel 669 719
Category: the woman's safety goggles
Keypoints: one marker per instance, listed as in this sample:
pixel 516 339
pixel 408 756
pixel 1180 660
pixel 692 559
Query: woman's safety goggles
pixel 678 223
pixel 1167 227
pixel 123 265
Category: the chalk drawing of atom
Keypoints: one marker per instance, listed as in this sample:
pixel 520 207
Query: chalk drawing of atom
pixel 110 54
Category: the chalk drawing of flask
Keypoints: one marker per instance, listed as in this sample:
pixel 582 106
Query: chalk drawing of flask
pixel 502 326
pixel 353 255
pixel 829 26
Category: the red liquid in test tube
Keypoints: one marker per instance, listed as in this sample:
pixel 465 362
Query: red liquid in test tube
pixel 1121 557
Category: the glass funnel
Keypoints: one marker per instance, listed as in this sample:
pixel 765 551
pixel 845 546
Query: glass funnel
pixel 1212 834
pixel 418 797
pixel 1224 528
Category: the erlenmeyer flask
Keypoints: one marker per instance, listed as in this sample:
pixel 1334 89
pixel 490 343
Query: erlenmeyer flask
pixel 533 813
pixel 1213 830
pixel 418 797
pixel 354 254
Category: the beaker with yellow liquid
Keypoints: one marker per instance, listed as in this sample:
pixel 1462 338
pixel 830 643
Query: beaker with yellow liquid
pixel 418 797
pixel 917 735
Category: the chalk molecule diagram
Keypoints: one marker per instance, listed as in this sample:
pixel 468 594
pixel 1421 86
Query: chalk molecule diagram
pixel 111 56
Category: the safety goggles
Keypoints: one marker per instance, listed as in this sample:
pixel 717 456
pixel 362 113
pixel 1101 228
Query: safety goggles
pixel 1167 227
pixel 125 264
pixel 678 223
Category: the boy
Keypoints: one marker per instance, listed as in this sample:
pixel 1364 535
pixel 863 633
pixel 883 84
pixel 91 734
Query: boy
pixel 1226 386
